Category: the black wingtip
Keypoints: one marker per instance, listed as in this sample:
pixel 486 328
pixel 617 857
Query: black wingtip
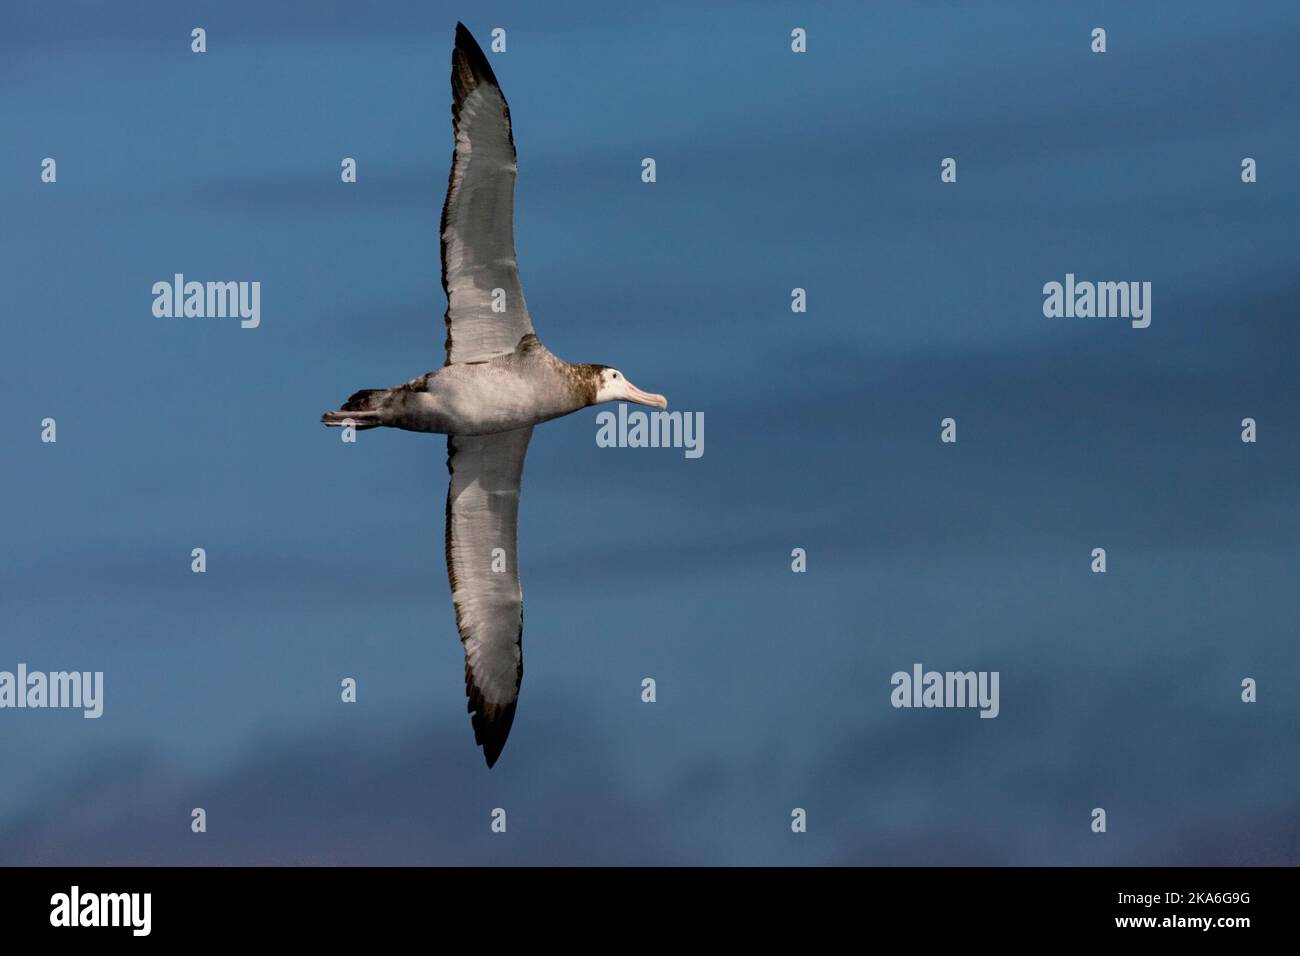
pixel 490 733
pixel 474 55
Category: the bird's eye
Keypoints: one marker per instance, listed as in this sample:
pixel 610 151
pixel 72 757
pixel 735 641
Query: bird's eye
pixel 616 374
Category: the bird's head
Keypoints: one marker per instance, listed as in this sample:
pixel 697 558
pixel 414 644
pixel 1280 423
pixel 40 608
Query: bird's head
pixel 613 386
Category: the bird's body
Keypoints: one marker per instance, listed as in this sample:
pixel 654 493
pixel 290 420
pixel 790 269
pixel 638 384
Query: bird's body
pixel 525 386
pixel 498 381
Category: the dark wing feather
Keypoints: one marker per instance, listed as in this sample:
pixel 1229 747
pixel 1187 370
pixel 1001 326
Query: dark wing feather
pixel 483 515
pixel 478 228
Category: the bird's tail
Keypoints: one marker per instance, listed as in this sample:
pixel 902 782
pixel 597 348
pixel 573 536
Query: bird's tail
pixel 361 410
pixel 366 400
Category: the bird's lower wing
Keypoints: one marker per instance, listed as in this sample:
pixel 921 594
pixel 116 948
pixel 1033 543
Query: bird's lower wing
pixel 482 530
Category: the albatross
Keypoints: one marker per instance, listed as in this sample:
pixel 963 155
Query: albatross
pixel 497 382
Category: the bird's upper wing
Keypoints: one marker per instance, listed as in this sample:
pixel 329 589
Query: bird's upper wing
pixel 478 218
pixel 482 516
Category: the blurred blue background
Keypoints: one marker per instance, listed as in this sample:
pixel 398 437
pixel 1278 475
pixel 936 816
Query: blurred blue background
pixel 822 432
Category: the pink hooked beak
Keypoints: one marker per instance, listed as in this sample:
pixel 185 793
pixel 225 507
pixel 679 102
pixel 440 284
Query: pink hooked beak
pixel 635 394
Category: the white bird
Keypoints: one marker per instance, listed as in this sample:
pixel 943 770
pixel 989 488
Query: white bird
pixel 497 383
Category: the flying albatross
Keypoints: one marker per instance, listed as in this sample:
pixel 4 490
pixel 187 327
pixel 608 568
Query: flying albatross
pixel 498 381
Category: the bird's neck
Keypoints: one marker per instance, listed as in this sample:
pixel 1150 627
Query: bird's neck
pixel 581 381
